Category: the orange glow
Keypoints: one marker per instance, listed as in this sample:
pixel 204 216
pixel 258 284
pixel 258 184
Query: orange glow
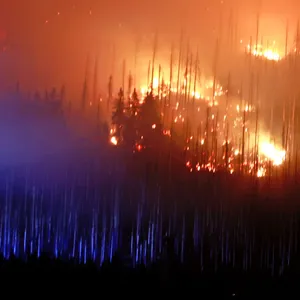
pixel 114 140
pixel 204 89
pixel 138 147
pixel 272 153
pixel 261 172
pixel 269 54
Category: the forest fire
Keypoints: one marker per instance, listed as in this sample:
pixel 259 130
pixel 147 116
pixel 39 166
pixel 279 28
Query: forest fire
pixel 275 155
pixel 214 134
pixel 185 165
pixel 267 53
pixel 201 90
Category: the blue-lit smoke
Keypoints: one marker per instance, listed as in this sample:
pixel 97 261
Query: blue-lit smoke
pixel 31 133
pixel 36 137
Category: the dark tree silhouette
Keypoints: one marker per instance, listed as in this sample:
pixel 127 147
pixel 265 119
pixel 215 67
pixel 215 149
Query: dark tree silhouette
pixel 149 121
pixel 110 92
pixel 149 113
pixel 130 131
pixel 135 103
pixel 118 116
pixel 130 83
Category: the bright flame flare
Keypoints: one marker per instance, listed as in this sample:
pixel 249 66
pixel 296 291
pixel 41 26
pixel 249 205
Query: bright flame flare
pixel 277 156
pixel 269 54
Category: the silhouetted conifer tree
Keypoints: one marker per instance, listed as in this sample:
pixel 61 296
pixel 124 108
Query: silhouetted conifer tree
pixel 130 127
pixel 130 83
pixel 130 131
pixel 118 117
pixel 135 103
pixel 149 121
pixel 110 92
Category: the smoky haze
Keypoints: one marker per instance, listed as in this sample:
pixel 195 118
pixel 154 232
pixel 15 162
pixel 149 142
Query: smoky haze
pixel 50 40
pixel 28 134
pixel 37 134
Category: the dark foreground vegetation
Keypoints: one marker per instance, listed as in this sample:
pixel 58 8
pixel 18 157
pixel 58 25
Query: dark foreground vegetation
pixel 167 274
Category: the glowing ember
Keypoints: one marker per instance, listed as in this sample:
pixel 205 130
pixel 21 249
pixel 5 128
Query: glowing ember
pixel 114 140
pixel 139 147
pixel 261 172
